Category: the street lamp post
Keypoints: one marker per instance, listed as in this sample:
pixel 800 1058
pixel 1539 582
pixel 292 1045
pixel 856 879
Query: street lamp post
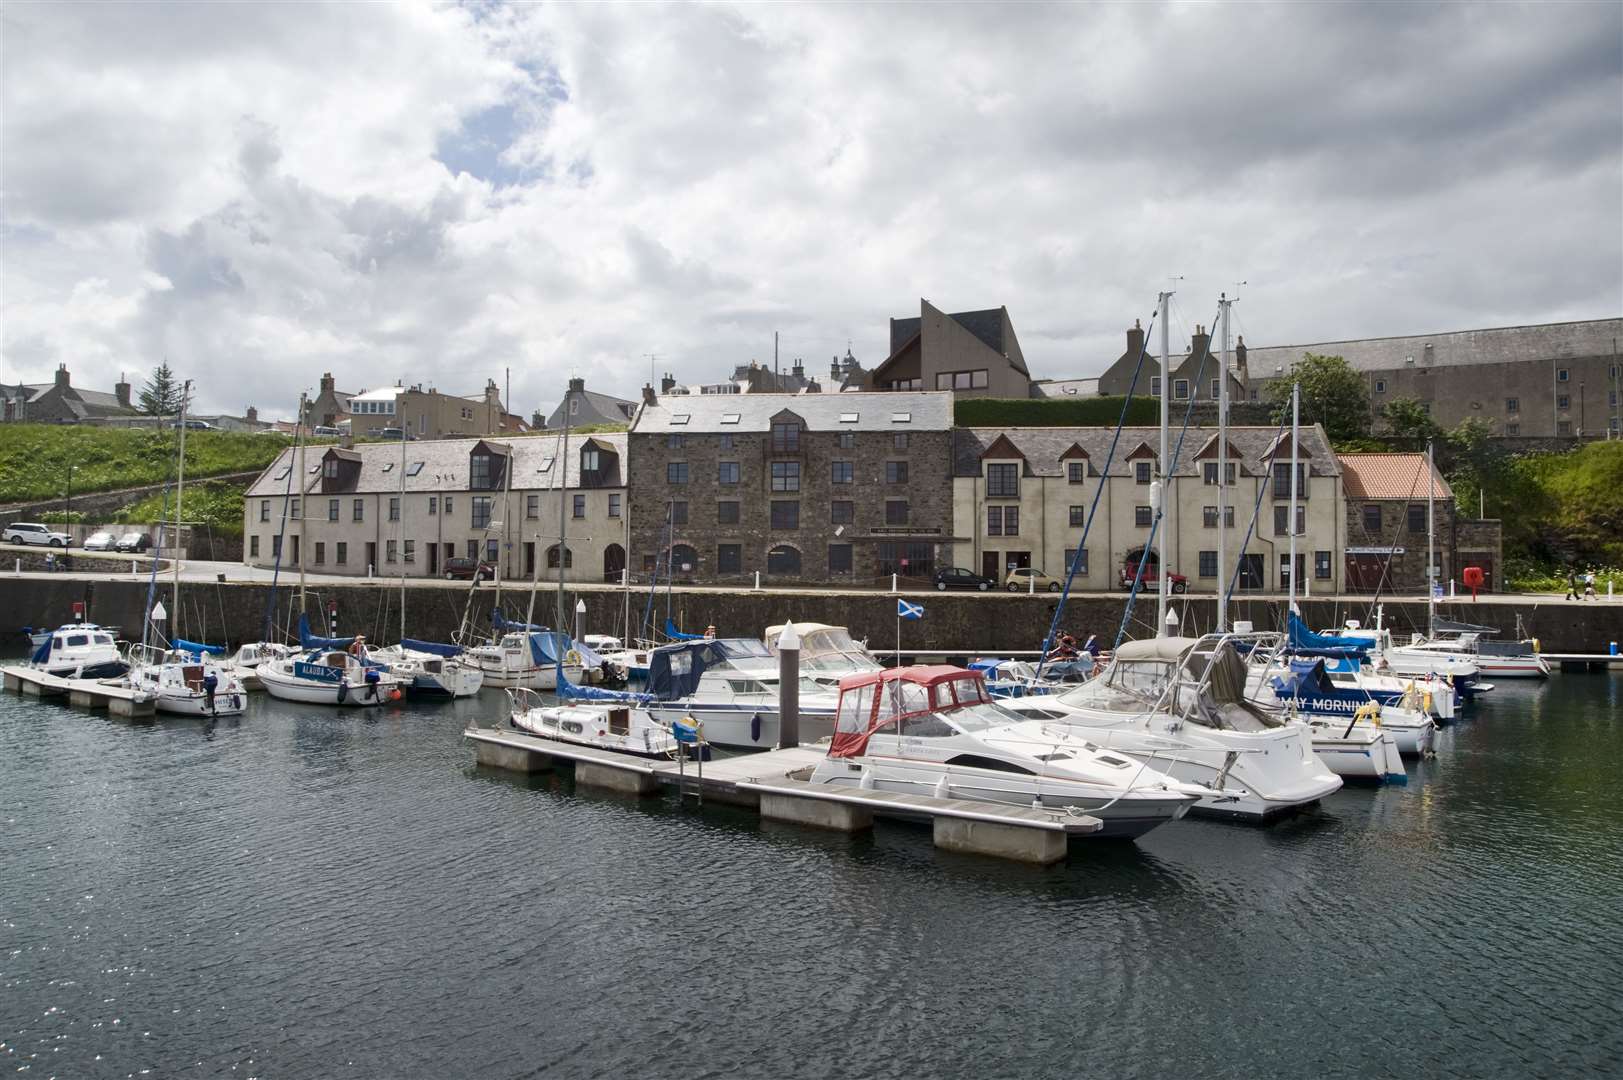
pixel 67 503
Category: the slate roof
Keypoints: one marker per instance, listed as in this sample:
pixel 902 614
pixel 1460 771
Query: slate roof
pixel 595 408
pixel 1390 476
pixel 986 325
pixel 1043 448
pixel 445 464
pixel 1544 341
pixel 927 411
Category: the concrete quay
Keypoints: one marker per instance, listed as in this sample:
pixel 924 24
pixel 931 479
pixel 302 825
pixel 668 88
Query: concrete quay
pixel 81 693
pixel 774 784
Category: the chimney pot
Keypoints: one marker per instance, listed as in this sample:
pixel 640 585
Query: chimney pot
pixel 648 396
pixel 62 376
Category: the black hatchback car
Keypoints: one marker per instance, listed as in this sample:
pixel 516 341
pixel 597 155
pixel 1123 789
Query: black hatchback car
pixel 956 577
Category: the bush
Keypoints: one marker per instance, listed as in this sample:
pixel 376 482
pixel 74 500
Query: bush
pixel 218 506
pixel 1053 412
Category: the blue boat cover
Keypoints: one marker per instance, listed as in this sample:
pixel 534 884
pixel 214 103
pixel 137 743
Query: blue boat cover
pixel 307 640
pixel 198 650
pixel 548 647
pixel 674 670
pixel 589 657
pixel 1302 639
pixel 676 635
pixel 1304 677
pixel 502 625
pixel 567 689
pixel 43 653
pixel 433 647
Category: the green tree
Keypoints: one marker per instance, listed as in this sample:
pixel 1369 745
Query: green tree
pixel 1409 424
pixel 1333 394
pixel 161 394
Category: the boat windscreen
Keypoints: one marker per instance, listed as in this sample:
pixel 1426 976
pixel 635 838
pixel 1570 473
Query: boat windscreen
pixel 742 649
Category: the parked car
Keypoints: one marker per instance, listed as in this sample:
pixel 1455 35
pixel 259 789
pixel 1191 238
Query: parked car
pixel 29 532
pixel 1027 578
pixel 956 577
pixel 193 425
pixel 388 433
pixel 132 542
pixel 465 569
pixel 99 541
pixel 1151 580
pixel 325 431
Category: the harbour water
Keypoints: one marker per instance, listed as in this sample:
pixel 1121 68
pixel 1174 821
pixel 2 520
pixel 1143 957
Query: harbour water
pixel 302 892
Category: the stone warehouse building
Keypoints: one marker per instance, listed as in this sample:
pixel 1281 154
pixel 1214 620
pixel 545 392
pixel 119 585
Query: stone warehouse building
pixel 1553 380
pixel 1021 497
pixel 800 487
pixel 494 499
pixel 1386 527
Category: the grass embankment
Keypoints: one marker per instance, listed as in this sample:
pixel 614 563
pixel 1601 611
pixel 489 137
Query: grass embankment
pixel 34 458
pixel 217 505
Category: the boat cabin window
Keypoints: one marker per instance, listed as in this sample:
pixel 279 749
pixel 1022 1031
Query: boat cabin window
pixel 745 686
pixel 928 726
pixel 104 639
pixel 619 721
pixel 855 706
pixel 973 718
pixel 336 659
pixel 975 761
pixel 1144 677
pixel 78 639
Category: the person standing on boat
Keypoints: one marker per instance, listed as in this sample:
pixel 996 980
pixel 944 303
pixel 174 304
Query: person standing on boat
pixel 1572 584
pixel 357 648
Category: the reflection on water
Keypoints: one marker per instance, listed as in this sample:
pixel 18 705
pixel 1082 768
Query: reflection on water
pixel 297 892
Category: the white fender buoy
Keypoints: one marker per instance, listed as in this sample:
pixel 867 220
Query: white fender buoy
pixel 941 790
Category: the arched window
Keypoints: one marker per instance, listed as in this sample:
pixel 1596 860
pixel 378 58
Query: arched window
pixel 783 561
pixel 684 561
pixel 614 561
pixel 552 558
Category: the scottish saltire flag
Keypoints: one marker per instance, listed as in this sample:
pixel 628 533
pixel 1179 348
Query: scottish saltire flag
pixel 904 610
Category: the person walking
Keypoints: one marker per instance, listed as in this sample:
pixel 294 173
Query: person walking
pixel 1572 585
pixel 1589 586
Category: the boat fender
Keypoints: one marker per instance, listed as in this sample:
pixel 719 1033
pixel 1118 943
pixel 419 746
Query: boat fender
pixel 395 694
pixel 1426 699
pixel 572 658
pixel 1536 647
pixel 1369 711
pixel 755 728
pixel 343 691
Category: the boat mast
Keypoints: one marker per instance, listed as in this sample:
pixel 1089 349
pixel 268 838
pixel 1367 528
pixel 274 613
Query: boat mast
pixel 1431 564
pixel 1161 564
pixel 563 521
pixel 507 492
pixel 402 524
pixel 1296 420
pixel 180 490
pixel 1223 468
pixel 300 503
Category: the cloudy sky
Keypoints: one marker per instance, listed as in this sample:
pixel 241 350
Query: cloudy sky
pixel 261 193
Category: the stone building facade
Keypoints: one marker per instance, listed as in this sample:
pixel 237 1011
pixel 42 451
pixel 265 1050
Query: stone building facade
pixel 1021 497
pixel 835 488
pixel 1387 525
pixel 497 500
pixel 60 402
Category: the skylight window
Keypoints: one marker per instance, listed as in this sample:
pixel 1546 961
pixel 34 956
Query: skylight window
pixel 849 417
pixel 546 464
pixel 388 466
pixel 901 418
pixel 416 467
pixel 729 418
pixel 314 469
pixel 283 474
pixel 680 418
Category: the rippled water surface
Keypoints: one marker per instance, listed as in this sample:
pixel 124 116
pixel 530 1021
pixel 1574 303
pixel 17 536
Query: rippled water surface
pixel 306 893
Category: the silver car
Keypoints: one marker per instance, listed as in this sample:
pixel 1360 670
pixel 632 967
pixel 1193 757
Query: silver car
pixel 99 541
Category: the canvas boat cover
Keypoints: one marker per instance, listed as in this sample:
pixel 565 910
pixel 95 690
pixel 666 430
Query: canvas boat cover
pixel 502 626
pixel 676 635
pixel 310 641
pixel 1301 639
pixel 198 650
pixel 434 648
pixel 874 700
pixel 674 670
pixel 567 689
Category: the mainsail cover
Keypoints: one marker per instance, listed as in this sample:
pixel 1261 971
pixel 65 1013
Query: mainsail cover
pixel 308 640
pixel 198 650
pixel 567 689
pixel 1302 639
pixel 433 647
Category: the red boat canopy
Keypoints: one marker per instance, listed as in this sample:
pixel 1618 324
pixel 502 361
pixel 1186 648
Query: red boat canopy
pixel 877 699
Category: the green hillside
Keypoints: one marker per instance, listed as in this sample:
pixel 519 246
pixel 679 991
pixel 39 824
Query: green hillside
pixel 34 458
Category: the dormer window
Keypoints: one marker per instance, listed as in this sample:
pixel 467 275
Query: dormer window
pixel 1143 470
pixel 479 472
pixel 589 459
pixel 329 469
pixel 785 436
pixel 1002 481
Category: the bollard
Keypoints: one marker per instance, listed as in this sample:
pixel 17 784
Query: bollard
pixel 19 570
pixel 893 583
pixel 1031 584
pixel 133 571
pixel 369 571
pixel 1451 588
pixel 1613 647
pixel 757 581
pixel 788 687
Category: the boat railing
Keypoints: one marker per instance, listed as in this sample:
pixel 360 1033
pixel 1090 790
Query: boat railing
pixel 521 699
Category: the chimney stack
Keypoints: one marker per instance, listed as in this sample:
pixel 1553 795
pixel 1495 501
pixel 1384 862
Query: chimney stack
pixel 667 383
pixel 577 386
pixel 251 415
pixel 121 390
pixel 326 382
pixel 1201 342
pixel 1135 340
pixel 834 370
pixel 62 377
pixel 1239 358
pixel 648 396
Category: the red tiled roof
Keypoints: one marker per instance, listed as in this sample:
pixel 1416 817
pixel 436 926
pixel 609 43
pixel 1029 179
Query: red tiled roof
pixel 1389 476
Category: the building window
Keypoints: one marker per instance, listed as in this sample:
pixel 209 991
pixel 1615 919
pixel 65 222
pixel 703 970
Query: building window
pixel 1209 473
pixel 1208 517
pixel 895 472
pixel 276 547
pixel 785 514
pixel 332 509
pixel 1141 517
pixel 915 560
pixel 389 549
pixel 1563 427
pixel 321 552
pixel 842 512
pixel 1180 389
pixel 433 505
pixel 329 469
pixel 1002 481
pixel 726 472
pixel 1071 558
pixel 481 511
pixel 785 437
pixel 1282 480
pixel 729 559
pixel 842 472
pixel 579 506
pixel 675 441
pixel 1321 565
pixel 896 511
pixel 1372 519
pixel 446 509
pixel 899 440
pixel 552 558
pixel 1417 517
pixel 1562 401
pixel 1155 386
pixel 589 459
pixel 1208 564
pixel 839 558
pixel 679 512
pixel 532 507
pixel 1561 375
pixel 264 509
pixel 408 550
pixel 727 513
pixel 1282 520
pixel 253 547
pixel 786 476
pixel 614 506
pixel 473 550
pixel 676 472
pixel 1217 389
pixel 358 511
pixel 1380 386
pixel 1011 521
pixel 1513 405
pixel 846 440
pixel 394 508
pixel 1079 516
pixel 994 521
pixel 783 561
pixel 493 551
pixel 1513 429
pixel 294 509
pixel 1142 471
pixel 1076 472
pixel 343 553
pixel 1611 398
pixel 479 477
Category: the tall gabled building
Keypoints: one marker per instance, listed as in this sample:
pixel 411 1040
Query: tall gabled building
pixel 971 353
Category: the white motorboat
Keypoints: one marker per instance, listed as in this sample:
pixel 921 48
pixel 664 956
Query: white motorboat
pixel 528 659
pixel 1429 694
pixel 1517 659
pixel 731 685
pixel 1179 704
pixel 80 651
pixel 430 670
pixel 1384 658
pixel 827 653
pixel 329 677
pixel 608 725
pixel 1303 685
pixel 185 682
pixel 936 731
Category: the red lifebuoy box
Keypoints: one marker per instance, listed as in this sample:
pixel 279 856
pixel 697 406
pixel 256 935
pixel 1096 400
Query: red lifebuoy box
pixel 1474 579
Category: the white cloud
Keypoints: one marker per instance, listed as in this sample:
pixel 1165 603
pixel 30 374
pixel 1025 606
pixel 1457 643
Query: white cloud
pixel 262 193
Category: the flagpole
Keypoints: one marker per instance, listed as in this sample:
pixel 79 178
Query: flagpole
pixel 898 634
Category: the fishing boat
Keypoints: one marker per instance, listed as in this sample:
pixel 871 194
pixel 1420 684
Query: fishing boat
pixel 934 730
pixel 329 677
pixel 619 723
pixel 731 685
pixel 79 651
pixel 187 680
pixel 1179 704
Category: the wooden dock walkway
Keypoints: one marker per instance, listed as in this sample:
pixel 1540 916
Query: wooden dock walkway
pixel 775 783
pixel 84 693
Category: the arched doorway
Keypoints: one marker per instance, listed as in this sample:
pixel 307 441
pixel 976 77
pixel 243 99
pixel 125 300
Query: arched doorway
pixel 783 561
pixel 684 561
pixel 1152 566
pixel 614 561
